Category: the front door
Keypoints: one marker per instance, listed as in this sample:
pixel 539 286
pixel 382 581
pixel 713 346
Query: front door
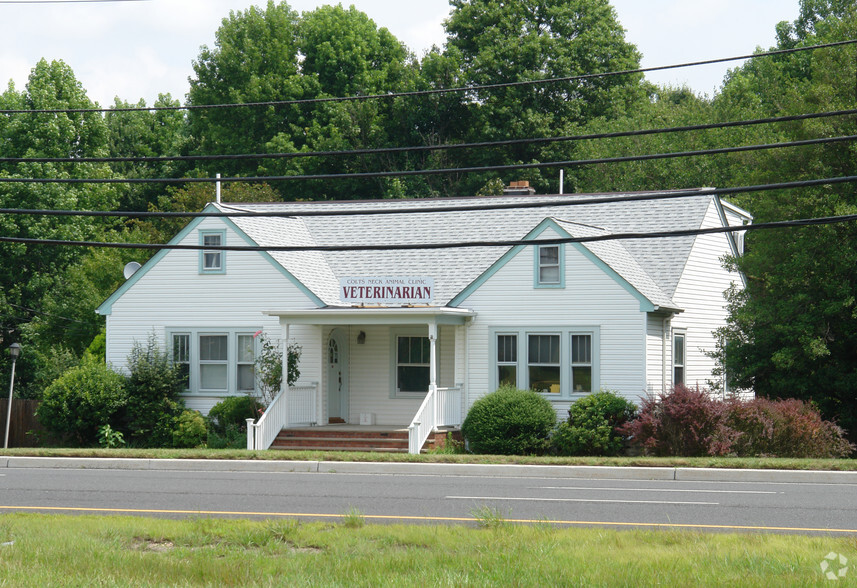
pixel 337 377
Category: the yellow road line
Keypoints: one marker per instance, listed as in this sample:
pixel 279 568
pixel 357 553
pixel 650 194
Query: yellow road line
pixel 422 518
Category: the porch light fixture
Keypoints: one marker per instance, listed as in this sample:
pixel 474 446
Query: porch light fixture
pixel 361 337
pixel 14 352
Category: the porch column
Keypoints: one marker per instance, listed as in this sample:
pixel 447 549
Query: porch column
pixel 432 333
pixel 284 385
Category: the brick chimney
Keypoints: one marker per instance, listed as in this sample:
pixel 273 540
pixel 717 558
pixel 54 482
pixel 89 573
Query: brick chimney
pixel 519 188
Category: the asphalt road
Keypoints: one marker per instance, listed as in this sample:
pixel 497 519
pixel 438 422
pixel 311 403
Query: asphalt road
pixel 416 494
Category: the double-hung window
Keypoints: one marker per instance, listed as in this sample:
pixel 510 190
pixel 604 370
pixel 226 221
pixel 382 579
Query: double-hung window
pixel 679 358
pixel 543 363
pixel 581 363
pixel 181 356
pixel 548 271
pixel 211 261
pixel 412 364
pixel 213 363
pixel 246 363
pixel 507 360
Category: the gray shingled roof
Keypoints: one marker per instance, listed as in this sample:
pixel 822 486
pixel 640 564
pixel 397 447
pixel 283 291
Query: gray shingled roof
pixel 652 266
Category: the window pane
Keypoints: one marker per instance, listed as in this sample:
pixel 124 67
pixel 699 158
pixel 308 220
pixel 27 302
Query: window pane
pixel 678 378
pixel 582 378
pixel 581 349
pixel 544 349
pixel 246 378
pixel 507 348
pixel 545 379
pixel 549 255
pixel 404 349
pixel 425 350
pixel 211 240
pixel 181 348
pixel 212 376
pixel 413 378
pixel 184 371
pixel 678 349
pixel 211 259
pixel 212 347
pixel 507 374
pixel 245 349
pixel 549 275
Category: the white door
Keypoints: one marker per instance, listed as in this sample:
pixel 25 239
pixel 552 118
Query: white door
pixel 337 377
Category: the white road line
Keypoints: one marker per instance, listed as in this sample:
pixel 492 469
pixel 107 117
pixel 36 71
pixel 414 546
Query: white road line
pixel 654 490
pixel 533 499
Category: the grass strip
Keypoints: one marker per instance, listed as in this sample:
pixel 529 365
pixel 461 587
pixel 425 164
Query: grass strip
pixel 765 463
pixel 45 550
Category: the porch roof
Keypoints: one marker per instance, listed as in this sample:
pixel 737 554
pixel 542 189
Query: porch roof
pixel 409 315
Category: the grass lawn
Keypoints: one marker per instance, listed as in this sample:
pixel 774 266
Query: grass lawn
pixel 699 462
pixel 44 550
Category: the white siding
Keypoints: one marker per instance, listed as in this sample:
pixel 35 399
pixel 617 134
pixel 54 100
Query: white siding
pixel 700 292
pixel 655 358
pixel 591 298
pixel 172 294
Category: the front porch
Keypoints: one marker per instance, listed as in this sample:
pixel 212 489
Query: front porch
pixel 369 366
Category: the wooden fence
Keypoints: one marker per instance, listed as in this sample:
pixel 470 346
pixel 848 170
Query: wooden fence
pixel 23 421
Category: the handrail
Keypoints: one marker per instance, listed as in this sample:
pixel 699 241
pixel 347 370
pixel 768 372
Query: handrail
pixel 261 434
pixel 423 423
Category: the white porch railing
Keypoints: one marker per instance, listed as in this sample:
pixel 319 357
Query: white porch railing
pixel 440 408
pixel 296 407
pixel 303 404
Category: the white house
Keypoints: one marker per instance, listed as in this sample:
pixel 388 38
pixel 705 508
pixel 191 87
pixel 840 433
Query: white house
pixel 394 335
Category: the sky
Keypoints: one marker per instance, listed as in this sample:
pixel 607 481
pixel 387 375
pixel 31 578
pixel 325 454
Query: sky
pixel 141 48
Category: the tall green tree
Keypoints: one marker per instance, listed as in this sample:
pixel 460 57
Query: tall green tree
pixel 146 133
pixel 30 272
pixel 509 42
pixel 793 331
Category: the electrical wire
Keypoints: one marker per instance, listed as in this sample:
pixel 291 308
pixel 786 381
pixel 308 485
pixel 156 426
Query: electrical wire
pixel 542 202
pixel 429 172
pixel 816 221
pixel 429 92
pixel 418 148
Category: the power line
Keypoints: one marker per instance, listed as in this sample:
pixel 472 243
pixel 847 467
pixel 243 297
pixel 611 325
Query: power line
pixel 430 92
pixel 445 146
pixel 428 172
pixel 551 201
pixel 816 221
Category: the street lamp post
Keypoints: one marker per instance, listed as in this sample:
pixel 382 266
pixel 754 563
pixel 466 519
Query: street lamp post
pixel 14 352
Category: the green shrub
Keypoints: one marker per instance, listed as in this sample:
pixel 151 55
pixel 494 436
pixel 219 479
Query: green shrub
pixel 591 425
pixel 232 413
pixel 509 421
pixel 231 438
pixel 80 401
pixel 189 430
pixel 154 396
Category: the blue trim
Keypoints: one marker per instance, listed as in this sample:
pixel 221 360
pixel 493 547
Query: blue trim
pixel 203 233
pixel 537 283
pixel 646 305
pixel 106 307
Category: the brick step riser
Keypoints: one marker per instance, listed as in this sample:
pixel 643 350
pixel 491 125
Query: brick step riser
pixel 339 443
pixel 342 435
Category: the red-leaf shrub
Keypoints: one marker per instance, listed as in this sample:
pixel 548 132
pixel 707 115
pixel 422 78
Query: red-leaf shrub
pixel 684 422
pixel 690 423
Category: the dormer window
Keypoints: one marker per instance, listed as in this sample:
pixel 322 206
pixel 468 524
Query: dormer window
pixel 548 268
pixel 211 261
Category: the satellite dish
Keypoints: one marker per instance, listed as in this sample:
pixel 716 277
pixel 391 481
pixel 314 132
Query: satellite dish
pixel 130 269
